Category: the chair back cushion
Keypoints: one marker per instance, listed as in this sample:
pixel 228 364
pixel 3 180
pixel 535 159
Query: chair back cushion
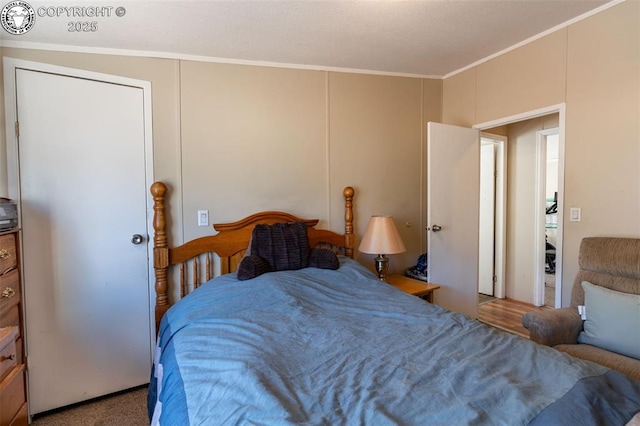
pixel 609 262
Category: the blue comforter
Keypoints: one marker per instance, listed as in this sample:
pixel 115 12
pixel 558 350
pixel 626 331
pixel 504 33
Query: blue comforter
pixel 322 347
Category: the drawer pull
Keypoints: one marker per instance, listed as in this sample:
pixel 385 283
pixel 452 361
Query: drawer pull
pixel 8 270
pixel 8 292
pixel 11 357
pixel 4 254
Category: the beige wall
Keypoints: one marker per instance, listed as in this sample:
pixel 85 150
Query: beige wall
pixel 253 139
pixel 594 67
pixel 235 139
pixel 524 79
pixel 459 99
pixel 376 145
pixel 603 127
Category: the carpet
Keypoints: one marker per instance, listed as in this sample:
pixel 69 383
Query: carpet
pixel 127 408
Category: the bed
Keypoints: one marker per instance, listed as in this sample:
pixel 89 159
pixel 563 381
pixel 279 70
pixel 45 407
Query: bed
pixel 339 347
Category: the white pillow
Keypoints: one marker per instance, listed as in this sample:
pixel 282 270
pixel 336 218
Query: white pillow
pixel 613 320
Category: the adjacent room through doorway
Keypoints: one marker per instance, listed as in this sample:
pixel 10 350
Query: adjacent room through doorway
pixel 524 160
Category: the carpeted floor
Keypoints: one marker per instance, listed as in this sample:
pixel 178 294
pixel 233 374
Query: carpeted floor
pixel 550 290
pixel 127 408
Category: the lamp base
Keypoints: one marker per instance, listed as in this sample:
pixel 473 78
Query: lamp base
pixel 382 266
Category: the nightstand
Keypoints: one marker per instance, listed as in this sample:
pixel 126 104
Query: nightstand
pixel 409 285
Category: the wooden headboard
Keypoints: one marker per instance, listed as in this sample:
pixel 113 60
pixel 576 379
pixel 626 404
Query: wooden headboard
pixel 229 244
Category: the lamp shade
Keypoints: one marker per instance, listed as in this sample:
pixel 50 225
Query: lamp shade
pixel 382 237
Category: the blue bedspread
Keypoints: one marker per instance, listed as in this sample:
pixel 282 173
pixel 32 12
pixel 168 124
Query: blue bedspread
pixel 321 347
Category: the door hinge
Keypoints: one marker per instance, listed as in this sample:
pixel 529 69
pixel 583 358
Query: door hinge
pixel 17 129
pixel 495 278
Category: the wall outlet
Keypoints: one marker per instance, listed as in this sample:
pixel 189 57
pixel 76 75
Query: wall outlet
pixel 203 217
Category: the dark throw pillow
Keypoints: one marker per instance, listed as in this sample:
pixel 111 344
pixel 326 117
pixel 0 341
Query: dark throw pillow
pixel 323 258
pixel 285 246
pixel 252 266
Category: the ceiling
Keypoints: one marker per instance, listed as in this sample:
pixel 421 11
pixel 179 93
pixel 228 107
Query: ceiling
pixel 404 37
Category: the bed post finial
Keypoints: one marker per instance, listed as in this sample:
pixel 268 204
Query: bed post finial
pixel 349 240
pixel 160 250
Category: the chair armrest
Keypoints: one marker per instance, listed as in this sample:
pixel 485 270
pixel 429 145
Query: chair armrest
pixel 554 326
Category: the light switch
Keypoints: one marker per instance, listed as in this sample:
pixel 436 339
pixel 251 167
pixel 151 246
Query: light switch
pixel 575 214
pixel 203 217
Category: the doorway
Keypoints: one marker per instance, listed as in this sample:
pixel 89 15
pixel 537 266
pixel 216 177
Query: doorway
pixel 548 173
pixel 493 180
pixel 80 174
pixel 525 255
pixel 520 251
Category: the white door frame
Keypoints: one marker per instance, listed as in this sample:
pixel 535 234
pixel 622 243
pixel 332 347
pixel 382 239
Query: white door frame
pixel 500 229
pixel 13 172
pixel 560 109
pixel 540 217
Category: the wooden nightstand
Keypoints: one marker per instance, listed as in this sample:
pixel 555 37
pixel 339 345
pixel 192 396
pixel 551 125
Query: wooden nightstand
pixel 418 288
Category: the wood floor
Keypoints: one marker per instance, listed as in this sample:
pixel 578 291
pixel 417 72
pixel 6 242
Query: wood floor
pixel 506 314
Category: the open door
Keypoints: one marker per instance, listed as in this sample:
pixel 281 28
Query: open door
pixel 453 197
pixel 486 260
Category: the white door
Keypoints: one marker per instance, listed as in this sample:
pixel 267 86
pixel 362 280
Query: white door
pixel 83 189
pixel 486 258
pixel 453 175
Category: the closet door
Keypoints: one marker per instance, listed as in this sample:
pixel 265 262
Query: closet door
pixel 83 196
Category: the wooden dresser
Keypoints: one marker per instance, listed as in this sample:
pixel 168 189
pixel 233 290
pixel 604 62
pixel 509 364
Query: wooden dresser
pixel 13 397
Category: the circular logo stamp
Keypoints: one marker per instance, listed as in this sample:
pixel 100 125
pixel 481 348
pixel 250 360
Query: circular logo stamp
pixel 17 17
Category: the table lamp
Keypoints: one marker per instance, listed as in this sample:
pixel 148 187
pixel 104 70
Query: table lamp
pixel 382 238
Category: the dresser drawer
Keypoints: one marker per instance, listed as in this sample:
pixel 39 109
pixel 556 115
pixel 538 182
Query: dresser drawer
pixel 12 395
pixel 8 354
pixel 9 292
pixel 8 257
pixel 21 419
pixel 10 317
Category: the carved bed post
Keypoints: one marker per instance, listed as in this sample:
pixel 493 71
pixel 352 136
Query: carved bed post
pixel 349 240
pixel 160 251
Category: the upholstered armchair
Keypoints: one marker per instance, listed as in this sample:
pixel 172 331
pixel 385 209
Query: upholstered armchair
pixel 608 285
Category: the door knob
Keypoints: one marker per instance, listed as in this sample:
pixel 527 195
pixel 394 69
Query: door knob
pixel 137 239
pixel 435 228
